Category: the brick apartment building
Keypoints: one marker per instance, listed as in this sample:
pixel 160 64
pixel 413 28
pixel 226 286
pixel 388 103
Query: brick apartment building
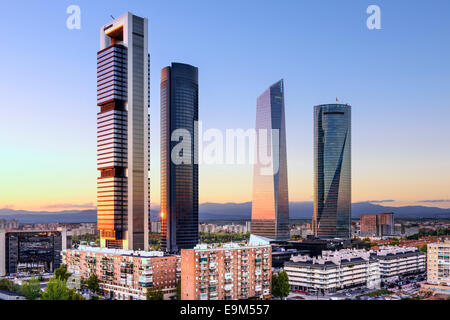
pixel 125 274
pixel 226 272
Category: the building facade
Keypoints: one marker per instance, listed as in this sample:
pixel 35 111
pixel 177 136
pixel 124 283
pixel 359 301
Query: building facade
pixel 123 191
pixel 228 272
pixel 396 261
pixel 332 271
pixel 31 252
pixel 379 225
pixel 125 274
pixel 438 268
pixel 9 224
pixel 332 171
pixel 345 268
pixel 270 203
pixel 179 151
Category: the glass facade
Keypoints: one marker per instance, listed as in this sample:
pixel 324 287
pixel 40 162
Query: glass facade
pixel 123 134
pixel 179 182
pixel 332 171
pixel 32 252
pixel 270 204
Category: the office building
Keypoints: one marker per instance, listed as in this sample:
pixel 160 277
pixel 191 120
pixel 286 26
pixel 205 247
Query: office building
pixel 332 171
pixel 125 274
pixel 179 150
pixel 231 271
pixel 31 252
pixel 377 225
pixel 438 268
pixel 123 192
pixel 270 204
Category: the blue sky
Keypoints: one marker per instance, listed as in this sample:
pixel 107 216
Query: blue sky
pixel 397 80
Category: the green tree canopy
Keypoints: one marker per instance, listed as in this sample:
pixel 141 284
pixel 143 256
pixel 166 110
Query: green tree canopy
pixel 61 273
pixel 280 284
pixel 154 293
pixel 56 290
pixel 93 283
pixel 31 289
pixel 178 294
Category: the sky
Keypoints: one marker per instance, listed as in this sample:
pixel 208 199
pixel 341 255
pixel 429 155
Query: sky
pixel 396 79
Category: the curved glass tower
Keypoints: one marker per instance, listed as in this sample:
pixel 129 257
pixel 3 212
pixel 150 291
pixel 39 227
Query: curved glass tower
pixel 179 181
pixel 270 203
pixel 332 171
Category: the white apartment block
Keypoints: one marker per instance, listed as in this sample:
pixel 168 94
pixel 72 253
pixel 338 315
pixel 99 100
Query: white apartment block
pixel 333 271
pixel 395 261
pixel 351 267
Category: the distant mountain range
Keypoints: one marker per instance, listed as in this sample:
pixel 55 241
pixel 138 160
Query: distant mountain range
pixel 226 211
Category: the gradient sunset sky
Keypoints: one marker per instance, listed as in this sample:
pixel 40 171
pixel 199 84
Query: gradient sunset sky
pixel 396 79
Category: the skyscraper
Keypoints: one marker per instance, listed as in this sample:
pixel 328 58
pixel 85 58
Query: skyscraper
pixel 123 134
pixel 332 171
pixel 270 204
pixel 179 171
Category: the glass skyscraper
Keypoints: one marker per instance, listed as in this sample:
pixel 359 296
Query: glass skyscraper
pixel 179 181
pixel 270 203
pixel 332 171
pixel 123 191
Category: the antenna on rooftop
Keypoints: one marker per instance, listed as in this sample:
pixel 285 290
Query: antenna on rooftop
pixel 112 17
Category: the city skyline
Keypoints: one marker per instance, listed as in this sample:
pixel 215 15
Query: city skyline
pixel 387 110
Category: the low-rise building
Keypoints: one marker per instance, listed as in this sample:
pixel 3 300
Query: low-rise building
pixel 229 271
pixel 333 270
pixel 438 268
pixel 125 274
pixel 396 261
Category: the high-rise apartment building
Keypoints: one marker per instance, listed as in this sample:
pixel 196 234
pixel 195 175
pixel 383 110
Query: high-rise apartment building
pixel 438 268
pixel 228 272
pixel 380 224
pixel 179 149
pixel 332 171
pixel 270 204
pixel 123 192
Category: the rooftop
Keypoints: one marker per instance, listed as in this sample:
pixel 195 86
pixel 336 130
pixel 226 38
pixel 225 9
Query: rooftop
pixel 121 252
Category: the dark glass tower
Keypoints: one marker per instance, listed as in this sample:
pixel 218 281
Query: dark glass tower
pixel 332 171
pixel 179 182
pixel 270 204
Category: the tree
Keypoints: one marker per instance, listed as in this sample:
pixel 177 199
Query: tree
pixel 424 248
pixel 178 294
pixel 61 273
pixel 56 290
pixel 154 293
pixel 31 289
pixel 280 284
pixel 74 295
pixel 93 283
